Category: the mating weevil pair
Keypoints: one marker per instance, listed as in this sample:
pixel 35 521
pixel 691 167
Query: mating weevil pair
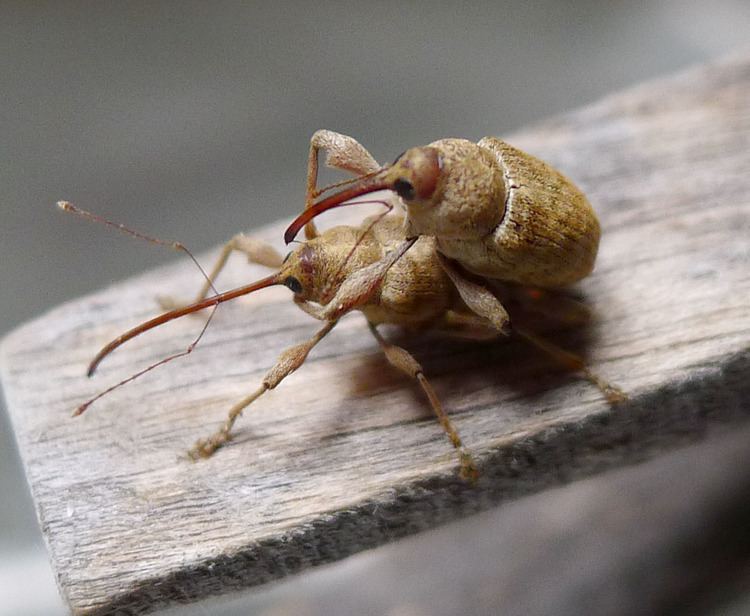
pixel 480 218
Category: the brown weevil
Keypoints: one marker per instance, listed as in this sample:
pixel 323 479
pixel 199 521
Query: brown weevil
pixel 484 222
pixel 415 290
pixel 499 212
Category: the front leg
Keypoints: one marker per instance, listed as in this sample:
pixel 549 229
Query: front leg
pixel 288 362
pixel 342 152
pixel 478 299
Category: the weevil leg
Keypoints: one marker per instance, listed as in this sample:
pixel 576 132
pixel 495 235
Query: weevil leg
pixel 404 361
pixel 314 310
pixel 473 327
pixel 575 363
pixel 342 152
pixel 291 359
pixel 477 298
pixel 467 326
pixel 358 288
pixel 553 305
pixel 256 251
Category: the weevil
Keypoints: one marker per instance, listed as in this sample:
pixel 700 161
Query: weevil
pixel 414 290
pixel 499 212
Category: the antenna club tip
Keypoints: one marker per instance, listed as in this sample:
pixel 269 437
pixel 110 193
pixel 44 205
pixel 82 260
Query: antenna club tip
pixel 79 410
pixel 66 206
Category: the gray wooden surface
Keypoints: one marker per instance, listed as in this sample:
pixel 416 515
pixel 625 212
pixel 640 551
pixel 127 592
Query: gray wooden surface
pixel 345 455
pixel 667 536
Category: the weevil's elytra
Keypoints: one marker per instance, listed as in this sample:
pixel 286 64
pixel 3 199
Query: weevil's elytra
pixel 550 234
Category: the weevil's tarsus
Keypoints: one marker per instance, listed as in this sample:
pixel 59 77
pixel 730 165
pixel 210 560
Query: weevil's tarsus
pixel 205 447
pixel 291 359
pixel 574 363
pixel 404 361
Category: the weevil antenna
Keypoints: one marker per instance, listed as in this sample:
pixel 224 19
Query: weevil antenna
pixel 66 206
pixel 208 302
pixel 348 181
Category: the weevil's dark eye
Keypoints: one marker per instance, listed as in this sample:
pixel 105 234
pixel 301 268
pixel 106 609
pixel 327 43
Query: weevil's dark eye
pixel 404 189
pixel 293 284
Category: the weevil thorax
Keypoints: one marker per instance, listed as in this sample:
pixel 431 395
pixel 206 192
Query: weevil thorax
pixel 452 189
pixel 314 270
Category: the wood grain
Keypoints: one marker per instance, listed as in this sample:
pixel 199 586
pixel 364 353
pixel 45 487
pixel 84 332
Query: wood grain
pixel 668 536
pixel 345 455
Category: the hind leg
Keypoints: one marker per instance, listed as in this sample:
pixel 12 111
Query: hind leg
pixel 473 327
pixel 575 363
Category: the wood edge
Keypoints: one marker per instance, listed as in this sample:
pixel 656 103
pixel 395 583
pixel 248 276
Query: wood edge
pixel 687 410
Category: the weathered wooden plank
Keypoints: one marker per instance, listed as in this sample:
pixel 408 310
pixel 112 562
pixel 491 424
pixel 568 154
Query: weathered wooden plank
pixel 344 455
pixel 668 536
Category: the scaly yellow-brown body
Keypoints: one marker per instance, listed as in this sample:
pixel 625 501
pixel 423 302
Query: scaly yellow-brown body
pixel 415 291
pixel 548 235
pixel 496 210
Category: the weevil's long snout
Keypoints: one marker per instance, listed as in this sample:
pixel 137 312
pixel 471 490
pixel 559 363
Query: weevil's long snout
pixel 380 181
pixel 415 176
pixel 208 302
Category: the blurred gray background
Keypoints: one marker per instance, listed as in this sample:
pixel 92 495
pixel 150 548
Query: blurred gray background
pixel 191 121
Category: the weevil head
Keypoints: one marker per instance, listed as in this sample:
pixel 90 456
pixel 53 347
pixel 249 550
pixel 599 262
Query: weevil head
pixel 314 270
pixel 297 273
pixel 452 188
pixel 416 175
